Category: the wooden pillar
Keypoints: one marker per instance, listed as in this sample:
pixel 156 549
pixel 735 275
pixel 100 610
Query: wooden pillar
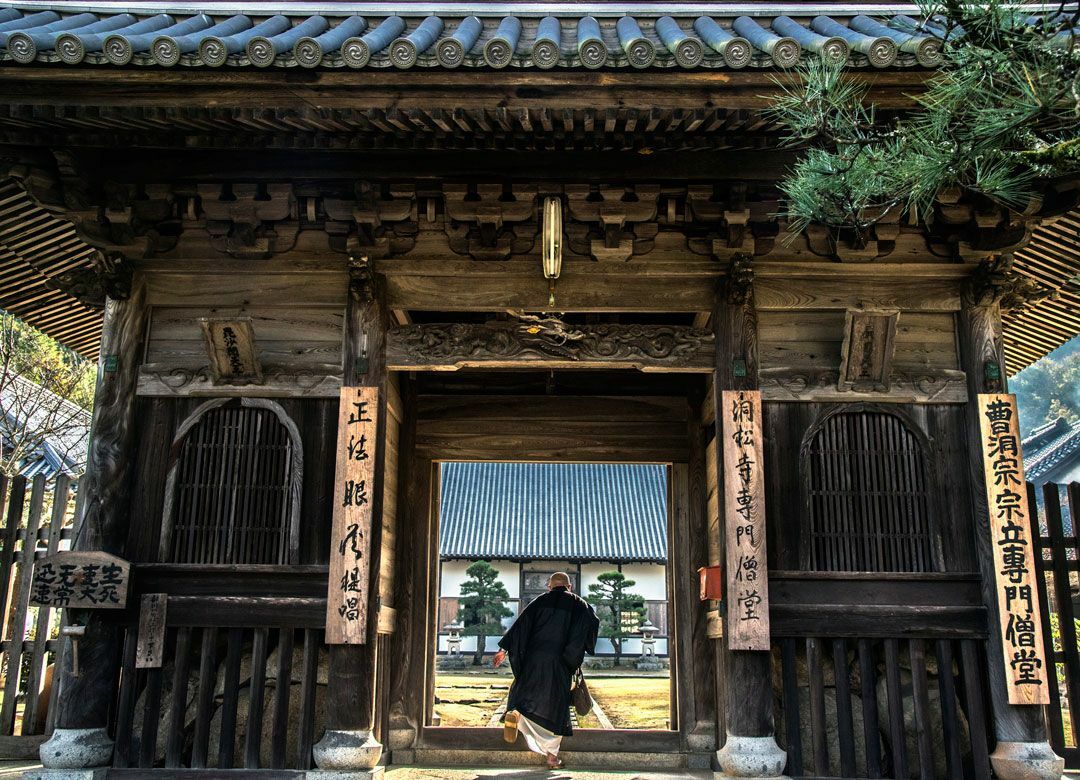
pixel 83 701
pixel 349 743
pixel 750 748
pixel 1023 750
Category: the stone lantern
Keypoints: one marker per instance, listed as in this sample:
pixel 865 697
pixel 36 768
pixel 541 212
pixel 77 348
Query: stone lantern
pixel 648 660
pixel 453 641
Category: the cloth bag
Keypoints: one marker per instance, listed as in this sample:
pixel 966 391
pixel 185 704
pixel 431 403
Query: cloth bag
pixel 580 695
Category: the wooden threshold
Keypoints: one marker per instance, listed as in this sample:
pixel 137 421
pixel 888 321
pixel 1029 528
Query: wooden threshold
pixel 583 740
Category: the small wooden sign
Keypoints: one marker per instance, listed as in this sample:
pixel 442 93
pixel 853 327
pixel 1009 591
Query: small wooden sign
pixel 81 580
pixel 1019 615
pixel 350 538
pixel 150 645
pixel 866 353
pixel 230 346
pixel 744 521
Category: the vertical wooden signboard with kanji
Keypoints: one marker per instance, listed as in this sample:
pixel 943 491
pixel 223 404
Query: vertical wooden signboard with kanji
pixel 744 518
pixel 1014 556
pixel 350 541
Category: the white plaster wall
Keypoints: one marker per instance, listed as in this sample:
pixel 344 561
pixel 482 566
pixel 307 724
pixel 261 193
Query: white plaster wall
pixel 453 574
pixel 650 579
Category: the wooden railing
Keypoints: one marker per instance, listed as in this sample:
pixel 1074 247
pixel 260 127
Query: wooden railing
pixel 872 708
pixel 1058 556
pixel 220 701
pixel 880 675
pixel 35 522
pixel 243 676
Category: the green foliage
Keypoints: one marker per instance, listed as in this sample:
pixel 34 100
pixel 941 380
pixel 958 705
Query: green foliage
pixel 1000 115
pixel 619 610
pixel 46 392
pixel 482 605
pixel 28 352
pixel 1055 631
pixel 1048 389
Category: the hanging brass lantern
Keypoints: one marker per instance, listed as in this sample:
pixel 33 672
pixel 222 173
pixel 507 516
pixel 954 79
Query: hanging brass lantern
pixel 551 244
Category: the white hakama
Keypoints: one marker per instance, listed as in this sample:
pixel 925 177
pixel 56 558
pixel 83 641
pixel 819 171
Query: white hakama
pixel 539 739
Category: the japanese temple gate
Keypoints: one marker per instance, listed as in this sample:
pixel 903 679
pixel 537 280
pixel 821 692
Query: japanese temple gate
pixel 308 284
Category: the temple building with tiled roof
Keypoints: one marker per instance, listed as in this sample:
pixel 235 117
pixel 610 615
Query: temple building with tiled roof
pixel 1052 453
pixel 531 519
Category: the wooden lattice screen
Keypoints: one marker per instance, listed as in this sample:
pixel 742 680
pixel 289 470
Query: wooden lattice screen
pixel 868 497
pixel 234 484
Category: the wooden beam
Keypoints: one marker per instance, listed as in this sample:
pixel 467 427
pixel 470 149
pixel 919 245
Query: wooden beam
pixel 298 88
pixel 135 165
pixel 589 287
pixel 661 348
pixel 85 700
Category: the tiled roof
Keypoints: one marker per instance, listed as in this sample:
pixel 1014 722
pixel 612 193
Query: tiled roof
pixel 656 37
pixel 28 407
pixel 1049 447
pixel 554 511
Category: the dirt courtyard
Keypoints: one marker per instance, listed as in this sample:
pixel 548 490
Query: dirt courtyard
pixel 628 699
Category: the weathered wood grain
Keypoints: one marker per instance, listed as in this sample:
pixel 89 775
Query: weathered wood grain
pixel 150 649
pixel 351 529
pixel 188 289
pixel 919 295
pixel 271 323
pixel 1019 615
pixel 84 701
pixel 980 348
pixel 744 521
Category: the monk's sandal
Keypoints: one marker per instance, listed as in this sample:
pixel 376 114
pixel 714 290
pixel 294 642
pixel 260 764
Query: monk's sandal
pixel 510 726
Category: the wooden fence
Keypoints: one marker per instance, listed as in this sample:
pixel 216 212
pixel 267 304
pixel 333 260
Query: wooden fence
pixel 37 520
pixel 1059 596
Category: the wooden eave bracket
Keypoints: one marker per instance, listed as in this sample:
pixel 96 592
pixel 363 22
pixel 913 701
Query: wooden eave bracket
pixel 488 213
pixel 612 209
pixel 254 223
pixel 371 224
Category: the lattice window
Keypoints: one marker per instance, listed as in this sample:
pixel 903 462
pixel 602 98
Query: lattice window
pixel 869 500
pixel 234 489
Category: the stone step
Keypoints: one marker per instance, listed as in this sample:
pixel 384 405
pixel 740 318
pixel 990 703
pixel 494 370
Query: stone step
pixel 539 773
pixel 613 760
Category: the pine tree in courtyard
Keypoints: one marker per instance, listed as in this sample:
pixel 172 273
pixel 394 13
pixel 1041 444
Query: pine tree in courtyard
pixel 482 606
pixel 619 610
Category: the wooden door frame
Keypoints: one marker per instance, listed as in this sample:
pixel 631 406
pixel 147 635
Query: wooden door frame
pixel 693 721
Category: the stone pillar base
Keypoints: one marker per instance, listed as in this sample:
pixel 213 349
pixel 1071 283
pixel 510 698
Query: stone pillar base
pixel 76 749
pixel 347 750
pixel 65 774
pixel 1026 761
pixel 344 774
pixel 751 757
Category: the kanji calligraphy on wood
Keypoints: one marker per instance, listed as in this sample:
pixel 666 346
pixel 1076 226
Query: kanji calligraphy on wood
pixel 1014 558
pixel 83 580
pixel 230 346
pixel 744 521
pixel 150 642
pixel 350 540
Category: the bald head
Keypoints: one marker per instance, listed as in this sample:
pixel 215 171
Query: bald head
pixel 559 579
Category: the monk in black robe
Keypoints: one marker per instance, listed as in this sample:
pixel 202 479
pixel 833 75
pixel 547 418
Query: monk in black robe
pixel 546 645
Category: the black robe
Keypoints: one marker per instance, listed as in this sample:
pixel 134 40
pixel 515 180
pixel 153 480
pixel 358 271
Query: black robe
pixel 546 645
